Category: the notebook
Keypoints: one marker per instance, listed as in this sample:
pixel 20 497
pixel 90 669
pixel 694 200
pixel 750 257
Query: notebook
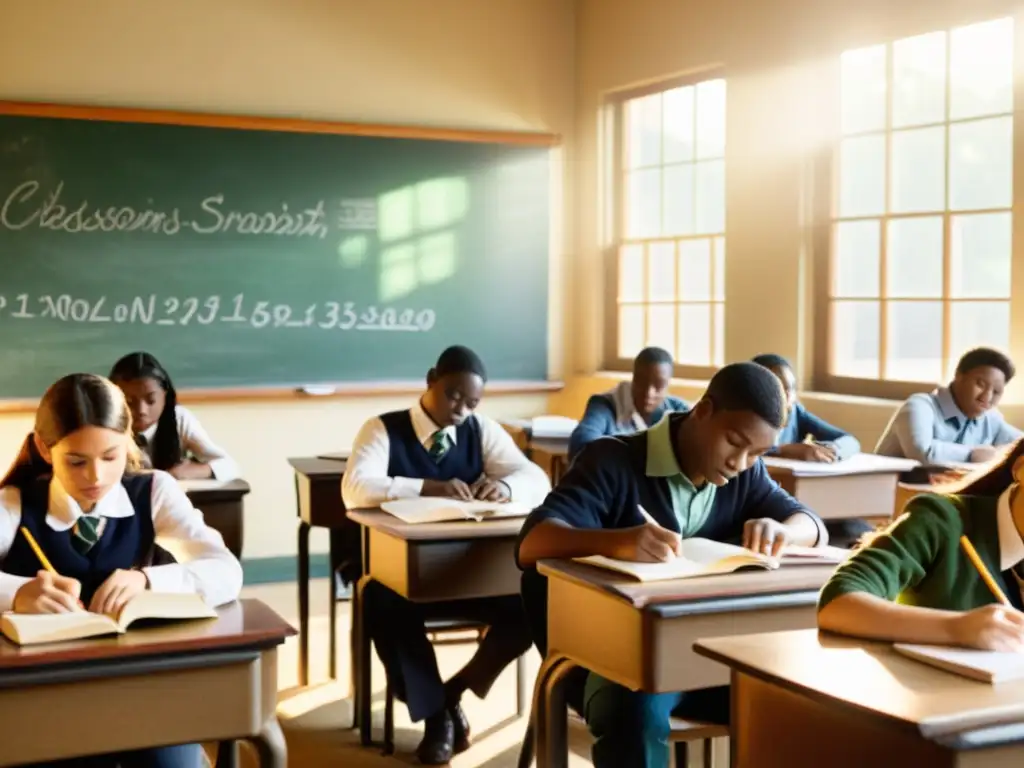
pixel 703 557
pixel 34 628
pixel 435 510
pixel 986 666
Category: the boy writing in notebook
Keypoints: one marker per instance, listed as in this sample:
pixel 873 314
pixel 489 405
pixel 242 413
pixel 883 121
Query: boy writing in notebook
pixel 697 474
pixel 440 447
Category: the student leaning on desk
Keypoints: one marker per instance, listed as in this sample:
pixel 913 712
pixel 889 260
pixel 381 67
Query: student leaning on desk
pixel 75 489
pixel 916 582
pixel 697 474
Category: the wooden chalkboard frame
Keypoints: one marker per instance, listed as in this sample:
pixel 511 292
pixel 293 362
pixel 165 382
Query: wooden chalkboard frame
pixel 289 125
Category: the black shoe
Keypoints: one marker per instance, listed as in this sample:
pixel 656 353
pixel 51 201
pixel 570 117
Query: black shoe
pixel 436 747
pixel 463 736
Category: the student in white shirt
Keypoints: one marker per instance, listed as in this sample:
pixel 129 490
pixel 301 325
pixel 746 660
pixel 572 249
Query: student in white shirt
pixel 168 435
pixel 109 531
pixel 439 447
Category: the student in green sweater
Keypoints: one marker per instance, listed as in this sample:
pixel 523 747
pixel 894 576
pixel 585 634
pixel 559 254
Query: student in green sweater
pixel 914 583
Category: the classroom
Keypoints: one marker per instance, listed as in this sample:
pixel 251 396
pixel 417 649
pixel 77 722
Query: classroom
pixel 747 260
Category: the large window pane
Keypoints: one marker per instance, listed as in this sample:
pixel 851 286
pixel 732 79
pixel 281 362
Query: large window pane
pixel 919 80
pixel 661 326
pixel 913 266
pixel 661 271
pixel 643 203
pixel 981 69
pixel 695 270
pixel 719 343
pixel 981 255
pixel 981 164
pixel 856 267
pixel 678 108
pixel 979 323
pixel 694 334
pixel 710 215
pixel 863 89
pixel 711 119
pixel 678 197
pixel 631 273
pixel 862 176
pixel 855 339
pixel 643 131
pixel 918 181
pixel 631 330
pixel 914 341
pixel 719 269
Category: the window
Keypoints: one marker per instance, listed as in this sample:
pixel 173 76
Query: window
pixel 921 227
pixel 670 228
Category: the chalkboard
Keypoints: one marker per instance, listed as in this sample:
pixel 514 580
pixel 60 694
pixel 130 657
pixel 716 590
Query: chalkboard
pixel 267 253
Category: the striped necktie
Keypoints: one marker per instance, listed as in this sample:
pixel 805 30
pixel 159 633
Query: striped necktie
pixel 86 533
pixel 440 443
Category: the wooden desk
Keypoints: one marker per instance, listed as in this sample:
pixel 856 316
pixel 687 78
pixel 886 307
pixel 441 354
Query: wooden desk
pixel 860 704
pixel 641 636
pixel 318 503
pixel 174 684
pixel 431 563
pixel 223 507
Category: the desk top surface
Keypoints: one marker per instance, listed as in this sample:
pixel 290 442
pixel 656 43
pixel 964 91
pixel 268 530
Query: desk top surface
pixel 859 464
pixel 212 486
pixel 869 678
pixel 317 466
pixel 241 624
pixel 556 446
pixel 451 531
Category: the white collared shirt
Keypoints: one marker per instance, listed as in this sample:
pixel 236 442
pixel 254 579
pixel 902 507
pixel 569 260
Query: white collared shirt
pixel 366 482
pixel 205 565
pixel 1011 546
pixel 196 441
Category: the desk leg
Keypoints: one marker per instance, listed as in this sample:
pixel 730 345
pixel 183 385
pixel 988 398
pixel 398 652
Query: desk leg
pixel 332 635
pixel 303 603
pixel 364 693
pixel 227 754
pixel 550 716
pixel 270 745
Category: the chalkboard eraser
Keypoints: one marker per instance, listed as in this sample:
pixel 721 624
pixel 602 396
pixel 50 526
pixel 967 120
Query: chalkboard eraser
pixel 317 391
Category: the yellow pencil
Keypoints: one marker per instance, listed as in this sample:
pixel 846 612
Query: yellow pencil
pixel 972 555
pixel 38 550
pixel 809 439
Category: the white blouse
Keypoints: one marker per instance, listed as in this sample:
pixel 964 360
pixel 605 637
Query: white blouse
pixel 196 441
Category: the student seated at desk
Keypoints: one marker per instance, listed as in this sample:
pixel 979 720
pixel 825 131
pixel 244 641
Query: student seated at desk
pixel 958 423
pixel 168 435
pixel 633 405
pixel 915 583
pixel 75 488
pixel 697 474
pixel 439 447
pixel 805 437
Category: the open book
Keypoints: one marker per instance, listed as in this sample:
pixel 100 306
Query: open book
pixel 986 666
pixel 33 628
pixel 435 510
pixel 703 557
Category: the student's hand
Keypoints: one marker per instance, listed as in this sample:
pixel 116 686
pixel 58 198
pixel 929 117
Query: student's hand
pixel 647 543
pixel 191 470
pixel 486 489
pixel 808 452
pixel 120 587
pixel 47 593
pixel 983 453
pixel 991 628
pixel 450 489
pixel 765 536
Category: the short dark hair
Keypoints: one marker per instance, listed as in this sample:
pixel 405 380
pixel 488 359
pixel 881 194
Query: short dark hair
pixel 771 360
pixel 986 357
pixel 459 359
pixel 749 387
pixel 653 356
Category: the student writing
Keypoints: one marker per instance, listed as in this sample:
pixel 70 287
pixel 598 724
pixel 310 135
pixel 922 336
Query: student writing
pixel 697 474
pixel 440 447
pixel 913 582
pixel 958 422
pixel 631 406
pixel 168 435
pixel 75 488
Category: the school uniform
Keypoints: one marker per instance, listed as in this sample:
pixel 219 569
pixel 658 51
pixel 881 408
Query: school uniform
pixel 614 413
pixel 918 560
pixel 196 444
pixel 122 531
pixel 393 454
pixel 604 488
pixel 800 422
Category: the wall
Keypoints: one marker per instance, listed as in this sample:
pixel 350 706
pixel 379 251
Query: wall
pixel 499 64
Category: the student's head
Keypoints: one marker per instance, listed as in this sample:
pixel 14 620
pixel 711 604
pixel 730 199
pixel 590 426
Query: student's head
pixel 780 366
pixel 83 431
pixel 735 422
pixel 454 386
pixel 652 373
pixel 981 375
pixel 152 399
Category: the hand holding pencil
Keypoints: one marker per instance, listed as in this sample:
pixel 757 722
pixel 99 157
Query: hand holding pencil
pixel 995 627
pixel 647 543
pixel 48 592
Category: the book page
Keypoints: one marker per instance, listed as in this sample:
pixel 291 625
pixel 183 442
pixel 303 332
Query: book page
pixel 164 605
pixel 987 666
pixel 700 557
pixel 857 464
pixel 797 555
pixel 433 510
pixel 33 628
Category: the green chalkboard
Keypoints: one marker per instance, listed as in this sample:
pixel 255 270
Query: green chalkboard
pixel 266 256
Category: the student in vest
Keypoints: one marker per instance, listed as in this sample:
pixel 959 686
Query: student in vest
pixel 440 447
pixel 698 474
pixel 959 422
pixel 914 583
pixel 169 436
pixel 631 406
pixel 75 488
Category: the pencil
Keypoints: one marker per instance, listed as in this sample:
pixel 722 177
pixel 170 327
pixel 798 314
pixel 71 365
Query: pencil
pixel 809 439
pixel 647 516
pixel 38 550
pixel 972 555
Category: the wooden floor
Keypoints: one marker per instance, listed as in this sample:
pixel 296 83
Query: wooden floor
pixel 315 719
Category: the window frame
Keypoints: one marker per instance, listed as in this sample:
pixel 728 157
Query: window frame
pixel 614 213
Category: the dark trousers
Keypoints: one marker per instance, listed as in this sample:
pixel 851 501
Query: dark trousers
pixel 396 627
pixel 181 756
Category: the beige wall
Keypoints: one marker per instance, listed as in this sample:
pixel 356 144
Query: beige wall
pixel 498 64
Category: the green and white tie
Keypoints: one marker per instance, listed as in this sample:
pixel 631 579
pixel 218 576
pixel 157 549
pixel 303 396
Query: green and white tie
pixel 439 446
pixel 86 533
